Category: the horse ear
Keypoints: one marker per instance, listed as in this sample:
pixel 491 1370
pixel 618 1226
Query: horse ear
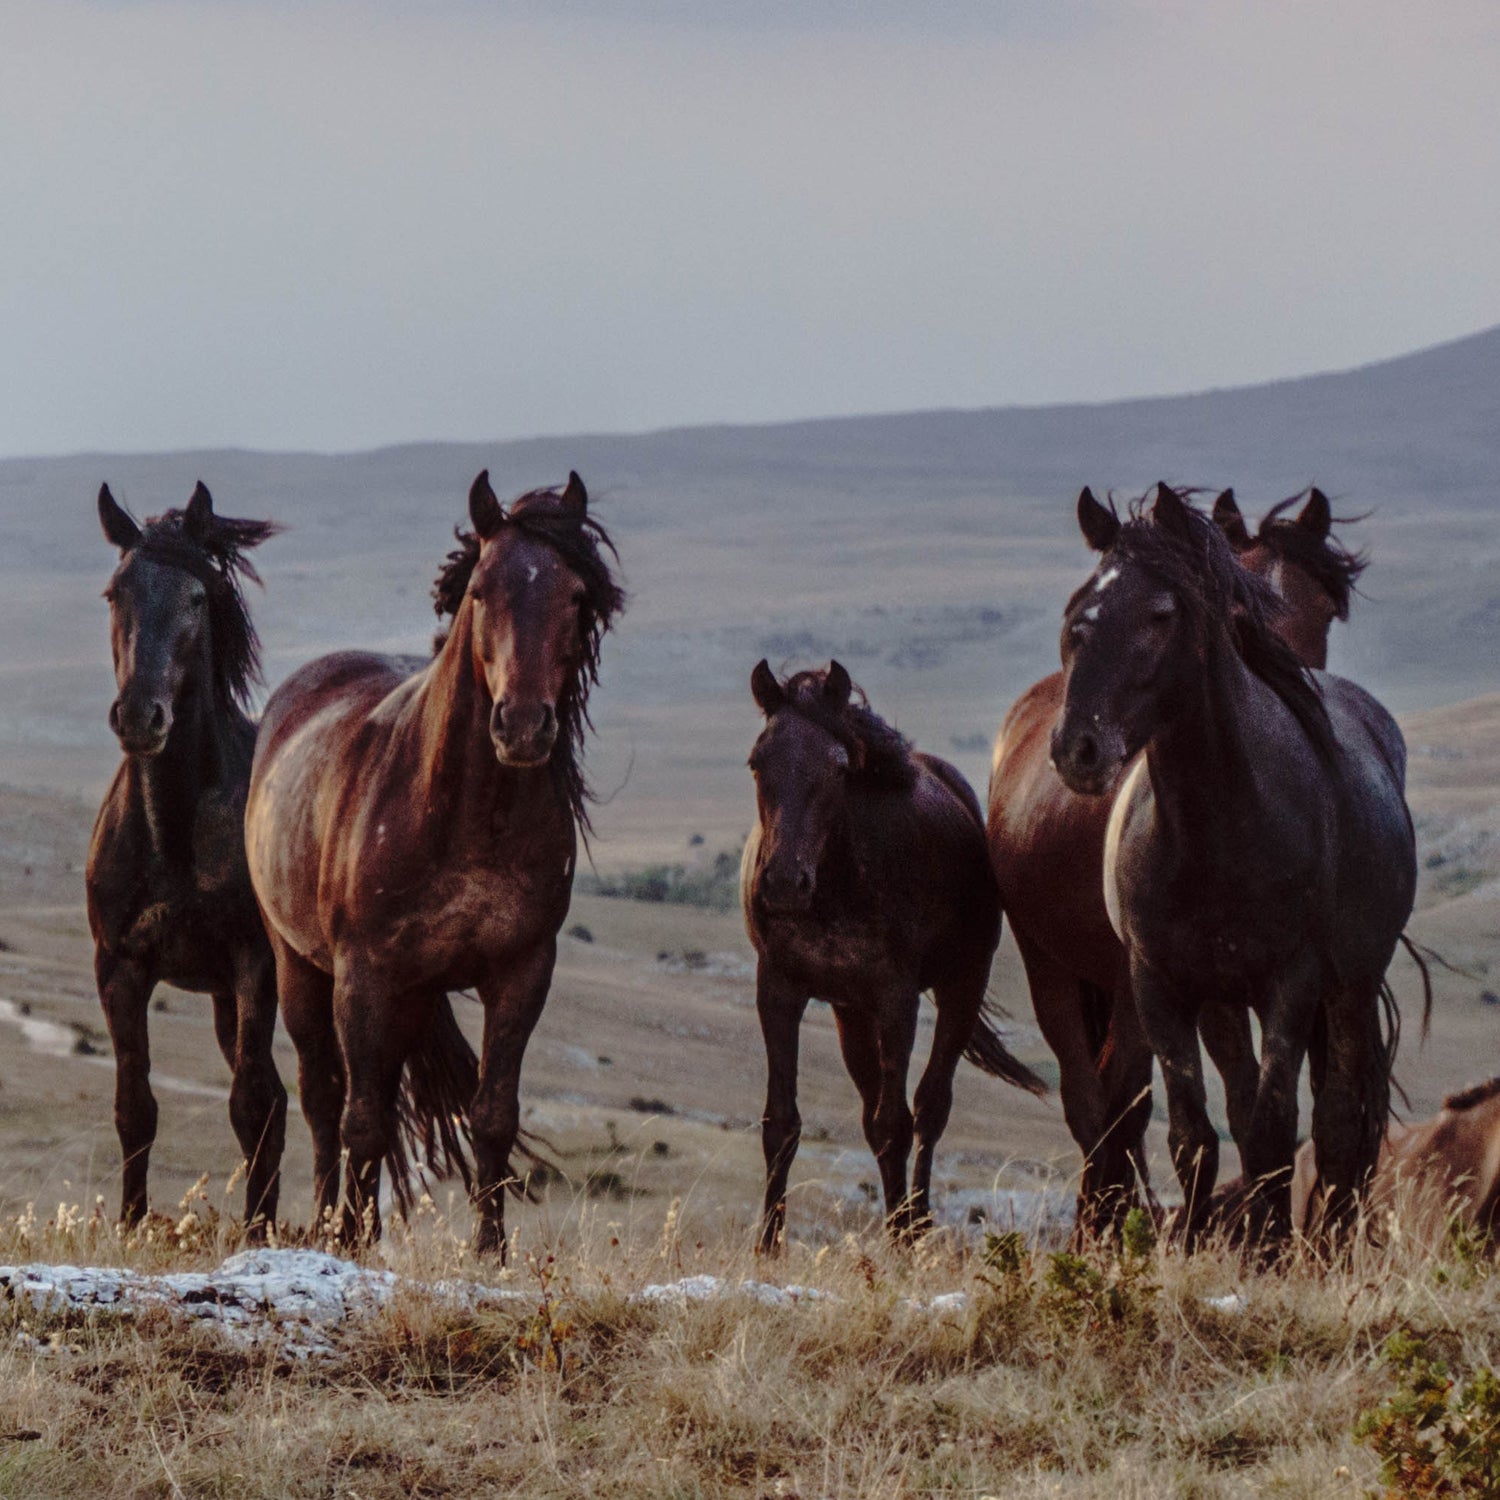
pixel 199 513
pixel 837 686
pixel 119 530
pixel 484 508
pixel 1229 520
pixel 1100 527
pixel 765 689
pixel 1317 514
pixel 574 496
pixel 1171 512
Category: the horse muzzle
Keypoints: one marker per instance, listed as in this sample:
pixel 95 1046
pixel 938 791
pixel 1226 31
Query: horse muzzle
pixel 524 735
pixel 142 728
pixel 1087 757
pixel 786 889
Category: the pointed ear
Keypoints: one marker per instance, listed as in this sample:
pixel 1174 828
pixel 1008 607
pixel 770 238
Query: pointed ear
pixel 837 686
pixel 199 513
pixel 119 530
pixel 1228 519
pixel 574 496
pixel 1171 512
pixel 1317 514
pixel 1100 527
pixel 765 689
pixel 484 508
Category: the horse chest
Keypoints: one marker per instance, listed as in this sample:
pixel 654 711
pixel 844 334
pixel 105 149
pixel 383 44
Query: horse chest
pixel 829 955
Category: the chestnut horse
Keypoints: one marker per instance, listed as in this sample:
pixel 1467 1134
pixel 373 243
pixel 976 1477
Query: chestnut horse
pixel 1432 1172
pixel 1259 853
pixel 865 882
pixel 1047 847
pixel 411 835
pixel 169 894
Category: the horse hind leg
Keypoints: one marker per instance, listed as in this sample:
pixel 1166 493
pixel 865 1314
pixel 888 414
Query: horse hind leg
pixel 959 1004
pixel 306 994
pixel 1351 1109
pixel 125 987
pixel 896 1029
pixel 257 1097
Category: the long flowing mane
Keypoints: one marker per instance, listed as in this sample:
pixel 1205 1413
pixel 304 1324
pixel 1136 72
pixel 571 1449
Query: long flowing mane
pixel 879 754
pixel 1334 567
pixel 1191 555
pixel 582 543
pixel 214 554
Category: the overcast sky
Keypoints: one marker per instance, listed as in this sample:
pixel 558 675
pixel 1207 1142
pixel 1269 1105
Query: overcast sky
pixel 329 225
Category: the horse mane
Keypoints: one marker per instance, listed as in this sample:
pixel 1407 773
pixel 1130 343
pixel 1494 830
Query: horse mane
pixel 1335 568
pixel 214 553
pixel 879 754
pixel 1201 569
pixel 582 543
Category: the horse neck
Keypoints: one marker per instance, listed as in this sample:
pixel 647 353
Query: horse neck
pixel 200 756
pixel 1203 764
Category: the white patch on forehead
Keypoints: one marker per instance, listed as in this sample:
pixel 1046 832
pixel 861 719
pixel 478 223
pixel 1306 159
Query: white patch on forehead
pixel 1274 577
pixel 531 572
pixel 1106 578
pixel 1092 612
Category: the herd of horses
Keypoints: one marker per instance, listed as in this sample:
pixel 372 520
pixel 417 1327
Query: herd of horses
pixel 1189 824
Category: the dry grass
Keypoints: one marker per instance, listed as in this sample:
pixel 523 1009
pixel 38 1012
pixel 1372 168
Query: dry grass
pixel 1110 1376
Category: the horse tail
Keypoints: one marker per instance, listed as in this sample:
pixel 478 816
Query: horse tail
pixel 1096 1005
pixel 1424 957
pixel 432 1113
pixel 1390 1014
pixel 432 1108
pixel 990 1055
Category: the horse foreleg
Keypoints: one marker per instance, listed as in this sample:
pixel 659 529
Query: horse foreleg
pixel 781 1006
pixel 125 987
pixel 257 1097
pixel 375 1034
pixel 513 1002
pixel 1057 1001
pixel 306 994
pixel 861 1050
pixel 1225 1029
pixel 1170 1025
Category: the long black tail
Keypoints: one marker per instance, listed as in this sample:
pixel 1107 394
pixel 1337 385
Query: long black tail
pixel 432 1114
pixel 989 1054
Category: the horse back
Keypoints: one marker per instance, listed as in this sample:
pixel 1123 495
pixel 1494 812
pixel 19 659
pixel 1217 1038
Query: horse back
pixel 352 680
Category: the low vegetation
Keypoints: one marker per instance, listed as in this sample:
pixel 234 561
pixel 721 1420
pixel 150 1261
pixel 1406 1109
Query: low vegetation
pixel 712 885
pixel 1130 1373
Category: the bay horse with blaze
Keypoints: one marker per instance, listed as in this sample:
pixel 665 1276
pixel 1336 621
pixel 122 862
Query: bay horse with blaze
pixel 415 834
pixel 865 882
pixel 169 895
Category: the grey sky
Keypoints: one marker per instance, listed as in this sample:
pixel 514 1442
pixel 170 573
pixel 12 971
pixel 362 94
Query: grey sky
pixel 334 225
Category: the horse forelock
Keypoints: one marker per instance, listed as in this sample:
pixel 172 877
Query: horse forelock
pixel 1335 568
pixel 879 754
pixel 215 556
pixel 581 542
pixel 1201 570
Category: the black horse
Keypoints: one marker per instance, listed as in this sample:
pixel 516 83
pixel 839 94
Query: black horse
pixel 169 894
pixel 1259 853
pixel 866 882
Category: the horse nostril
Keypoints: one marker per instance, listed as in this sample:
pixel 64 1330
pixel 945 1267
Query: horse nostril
pixel 158 718
pixel 804 881
pixel 1086 751
pixel 114 716
pixel 549 718
pixel 497 718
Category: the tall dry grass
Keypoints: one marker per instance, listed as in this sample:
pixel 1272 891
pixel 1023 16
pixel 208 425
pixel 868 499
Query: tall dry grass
pixel 1111 1375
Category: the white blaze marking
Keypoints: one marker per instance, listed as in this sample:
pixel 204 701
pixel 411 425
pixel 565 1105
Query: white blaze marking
pixel 531 573
pixel 1092 612
pixel 1106 578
